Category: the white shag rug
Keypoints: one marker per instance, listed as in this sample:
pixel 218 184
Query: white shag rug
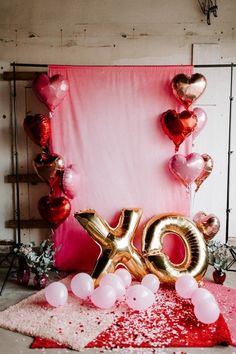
pixel 72 324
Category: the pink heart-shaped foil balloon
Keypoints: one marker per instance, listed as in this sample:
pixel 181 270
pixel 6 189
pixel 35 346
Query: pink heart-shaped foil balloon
pixel 201 121
pixel 188 89
pixel 70 181
pixel 50 91
pixel 186 168
pixel 209 225
pixel 206 171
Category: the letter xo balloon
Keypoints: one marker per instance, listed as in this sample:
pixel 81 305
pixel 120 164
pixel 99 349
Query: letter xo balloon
pixel 195 261
pixel 117 245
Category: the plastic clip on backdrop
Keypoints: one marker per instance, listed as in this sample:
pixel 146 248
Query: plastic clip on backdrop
pixel 108 126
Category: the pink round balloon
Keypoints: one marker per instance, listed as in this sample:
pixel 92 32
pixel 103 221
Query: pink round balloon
pixel 50 90
pixel 186 169
pixel 151 282
pixel 201 294
pixel 56 294
pixel 201 121
pixel 138 297
pixel 70 181
pixel 117 284
pixel 82 285
pixel 125 276
pixel 185 286
pixel 104 296
pixel 207 311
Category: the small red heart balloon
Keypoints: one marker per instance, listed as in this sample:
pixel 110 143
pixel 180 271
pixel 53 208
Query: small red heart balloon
pixel 50 91
pixel 38 128
pixel 178 126
pixel 54 210
pixel 188 89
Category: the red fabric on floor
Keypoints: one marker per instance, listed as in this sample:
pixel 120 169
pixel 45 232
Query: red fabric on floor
pixel 39 343
pixel 226 298
pixel 169 323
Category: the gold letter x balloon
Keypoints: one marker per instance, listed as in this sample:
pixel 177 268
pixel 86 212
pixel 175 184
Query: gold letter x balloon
pixel 116 243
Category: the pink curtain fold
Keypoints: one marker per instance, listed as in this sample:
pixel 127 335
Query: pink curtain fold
pixel 109 127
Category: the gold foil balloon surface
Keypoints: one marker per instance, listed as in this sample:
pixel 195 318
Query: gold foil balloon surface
pixel 116 243
pixel 195 261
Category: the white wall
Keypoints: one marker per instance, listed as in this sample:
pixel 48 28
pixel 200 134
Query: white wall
pixel 112 31
pixel 116 32
pixel 213 140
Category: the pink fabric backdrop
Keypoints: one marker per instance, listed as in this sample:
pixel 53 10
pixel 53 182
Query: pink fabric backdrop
pixel 109 126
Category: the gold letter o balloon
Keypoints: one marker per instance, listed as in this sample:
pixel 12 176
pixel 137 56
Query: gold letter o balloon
pixel 196 258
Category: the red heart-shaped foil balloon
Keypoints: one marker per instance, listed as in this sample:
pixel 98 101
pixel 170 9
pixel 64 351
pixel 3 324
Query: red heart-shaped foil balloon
pixel 54 210
pixel 188 89
pixel 178 126
pixel 50 91
pixel 38 128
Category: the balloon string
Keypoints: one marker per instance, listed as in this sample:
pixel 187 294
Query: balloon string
pixel 193 195
pixel 51 190
pixel 51 113
pixel 46 150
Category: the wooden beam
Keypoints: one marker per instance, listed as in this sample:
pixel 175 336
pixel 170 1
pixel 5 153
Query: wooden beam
pixel 23 178
pixel 21 75
pixel 27 224
pixel 6 243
